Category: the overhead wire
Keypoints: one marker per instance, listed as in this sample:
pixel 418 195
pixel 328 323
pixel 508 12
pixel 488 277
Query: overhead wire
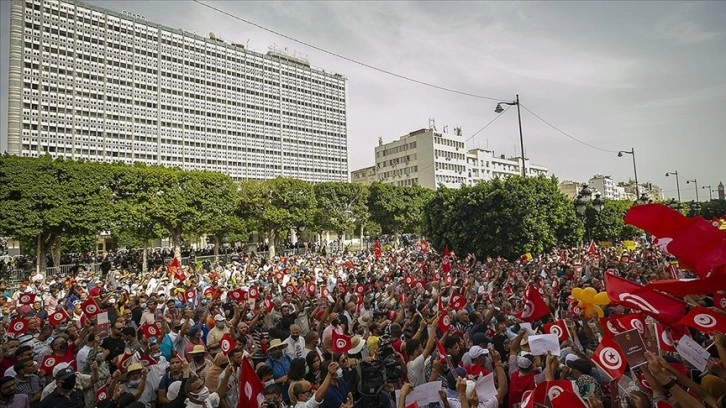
pixel 354 61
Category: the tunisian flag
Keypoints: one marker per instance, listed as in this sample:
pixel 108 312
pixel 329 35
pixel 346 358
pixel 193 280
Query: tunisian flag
pixel 700 246
pixel 558 328
pixel 685 287
pixel 610 358
pixel 377 249
pixel 251 388
pixel 444 319
pixel 446 260
pixel 705 320
pixel 629 294
pixel 658 220
pixel 341 342
pixel 534 307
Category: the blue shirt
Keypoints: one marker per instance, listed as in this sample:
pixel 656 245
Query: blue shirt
pixel 280 369
pixel 336 395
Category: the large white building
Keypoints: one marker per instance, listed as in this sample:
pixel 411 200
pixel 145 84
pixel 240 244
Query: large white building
pixel 431 159
pixel 90 83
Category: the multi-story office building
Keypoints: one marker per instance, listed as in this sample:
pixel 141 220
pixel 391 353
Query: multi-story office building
pixel 430 159
pixel 603 185
pixel 90 83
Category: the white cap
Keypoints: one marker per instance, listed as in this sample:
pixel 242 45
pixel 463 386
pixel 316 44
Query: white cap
pixel 477 351
pixel 59 367
pixel 219 318
pixel 173 390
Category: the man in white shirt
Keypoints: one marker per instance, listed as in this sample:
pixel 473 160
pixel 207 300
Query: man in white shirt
pixel 418 353
pixel 303 390
pixel 295 343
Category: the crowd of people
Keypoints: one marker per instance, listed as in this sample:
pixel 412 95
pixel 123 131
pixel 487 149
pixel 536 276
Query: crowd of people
pixel 367 329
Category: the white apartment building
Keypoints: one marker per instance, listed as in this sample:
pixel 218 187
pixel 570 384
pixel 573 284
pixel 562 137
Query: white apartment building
pixel 430 159
pixel 91 83
pixel 604 185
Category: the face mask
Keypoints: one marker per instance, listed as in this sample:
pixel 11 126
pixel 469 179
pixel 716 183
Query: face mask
pixel 295 337
pixel 269 383
pixel 202 395
pixel 198 359
pixel 143 305
pixel 63 346
pixel 335 322
pixel 69 383
pixel 11 352
pixel 339 373
pixel 276 354
pixel 156 356
pixel 134 383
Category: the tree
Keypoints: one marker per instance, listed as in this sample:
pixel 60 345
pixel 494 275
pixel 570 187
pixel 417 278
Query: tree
pixel 42 199
pixel 398 209
pixel 340 207
pixel 276 205
pixel 502 217
pixel 609 224
pixel 220 221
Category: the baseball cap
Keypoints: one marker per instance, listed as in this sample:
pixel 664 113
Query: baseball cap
pixel 64 373
pixel 219 318
pixel 477 351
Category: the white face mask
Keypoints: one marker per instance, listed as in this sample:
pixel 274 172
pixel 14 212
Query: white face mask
pixel 202 395
pixel 134 383
pixel 339 373
pixel 269 383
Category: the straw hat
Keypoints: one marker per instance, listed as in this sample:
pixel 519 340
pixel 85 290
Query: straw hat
pixel 276 343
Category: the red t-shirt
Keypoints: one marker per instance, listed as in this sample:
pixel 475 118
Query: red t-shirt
pixel 476 370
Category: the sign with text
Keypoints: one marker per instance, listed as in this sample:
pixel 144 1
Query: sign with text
pixel 633 347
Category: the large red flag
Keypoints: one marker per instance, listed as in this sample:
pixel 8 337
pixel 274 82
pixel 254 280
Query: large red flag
pixel 457 302
pixel 446 260
pixel 609 328
pixel 629 294
pixel 665 341
pixel 251 388
pixel 700 246
pixel 58 317
pixel 685 287
pixel 705 320
pixel 658 220
pixel 534 307
pixel 341 342
pixel 631 321
pixel 610 358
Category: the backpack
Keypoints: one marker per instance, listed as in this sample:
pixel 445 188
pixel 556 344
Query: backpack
pixel 372 378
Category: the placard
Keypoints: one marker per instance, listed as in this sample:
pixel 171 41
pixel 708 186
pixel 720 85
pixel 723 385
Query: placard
pixel 423 394
pixel 485 388
pixel 103 325
pixel 633 347
pixel 542 343
pixel 693 352
pixel 527 327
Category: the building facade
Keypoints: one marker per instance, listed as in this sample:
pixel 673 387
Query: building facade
pixel 603 185
pixel 431 159
pixel 366 175
pixel 90 83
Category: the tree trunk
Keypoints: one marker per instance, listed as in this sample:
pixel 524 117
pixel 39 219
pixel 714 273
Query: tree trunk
pixel 397 239
pixel 271 239
pixel 216 248
pixel 56 254
pixel 40 262
pixel 145 258
pixel 361 237
pixel 176 242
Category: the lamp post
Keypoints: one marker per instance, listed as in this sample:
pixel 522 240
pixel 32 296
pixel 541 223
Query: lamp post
pixel 710 195
pixel 635 169
pixel 695 181
pixel 678 185
pixel 584 198
pixel 499 109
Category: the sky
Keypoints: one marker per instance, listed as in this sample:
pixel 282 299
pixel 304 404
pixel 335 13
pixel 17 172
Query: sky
pixel 615 75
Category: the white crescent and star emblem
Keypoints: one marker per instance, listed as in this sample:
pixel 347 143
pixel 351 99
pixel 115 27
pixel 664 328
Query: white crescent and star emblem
pixel 556 331
pixel 190 295
pixel 91 309
pixel 58 316
pixel 555 392
pixel 50 362
pixel 102 396
pixel 18 326
pixel 290 289
pixel 253 292
pixel 704 320
pixel 665 338
pixel 722 303
pixel 528 309
pixel 340 344
pixel 610 359
pixel 446 320
pixel 152 330
pixel 446 260
pixel 639 302
pixel 612 327
pixel 24 299
pixel 636 323
pixel 225 345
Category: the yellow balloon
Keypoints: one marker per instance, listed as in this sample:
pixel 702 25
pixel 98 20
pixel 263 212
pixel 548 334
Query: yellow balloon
pixel 588 295
pixel 592 310
pixel 602 298
pixel 577 293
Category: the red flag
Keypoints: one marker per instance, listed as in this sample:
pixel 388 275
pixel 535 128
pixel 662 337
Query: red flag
pixel 290 289
pixel 705 320
pixel 377 250
pixel 558 328
pixel 449 280
pixel 324 292
pixel 631 321
pixel 226 343
pixel 150 330
pixel 457 302
pixel 440 349
pixel 102 394
pixel 700 246
pixel 610 358
pixel 254 293
pixel 683 288
pixel 665 341
pixel 146 360
pixel 126 360
pixel 268 303
pixel 609 328
pixel 341 342
pixel 90 308
pixel 629 294
pixel 17 326
pixel 446 260
pixel 190 295
pixel 49 362
pixel 591 249
pixel 58 317
pixel 444 319
pixel 236 295
pixel 342 289
pixel 359 305
pixel 424 246
pixel 360 289
pixel 251 388
pixel 534 307
pixel 719 300
pixel 311 288
pixel 408 280
pixel 180 275
pixel 279 276
pixel 672 271
pixel 26 299
pixel 658 220
pixel 412 405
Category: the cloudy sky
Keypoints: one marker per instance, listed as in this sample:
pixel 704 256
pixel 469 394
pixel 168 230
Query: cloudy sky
pixel 616 75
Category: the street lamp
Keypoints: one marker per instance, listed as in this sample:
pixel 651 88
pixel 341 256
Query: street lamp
pixel 582 201
pixel 695 181
pixel 678 185
pixel 710 195
pixel 635 169
pixel 499 109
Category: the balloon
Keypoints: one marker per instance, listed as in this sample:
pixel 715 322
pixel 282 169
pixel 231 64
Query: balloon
pixel 577 293
pixel 588 295
pixel 592 310
pixel 602 298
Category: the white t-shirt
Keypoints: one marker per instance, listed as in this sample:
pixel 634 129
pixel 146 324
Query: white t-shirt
pixel 415 371
pixel 82 356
